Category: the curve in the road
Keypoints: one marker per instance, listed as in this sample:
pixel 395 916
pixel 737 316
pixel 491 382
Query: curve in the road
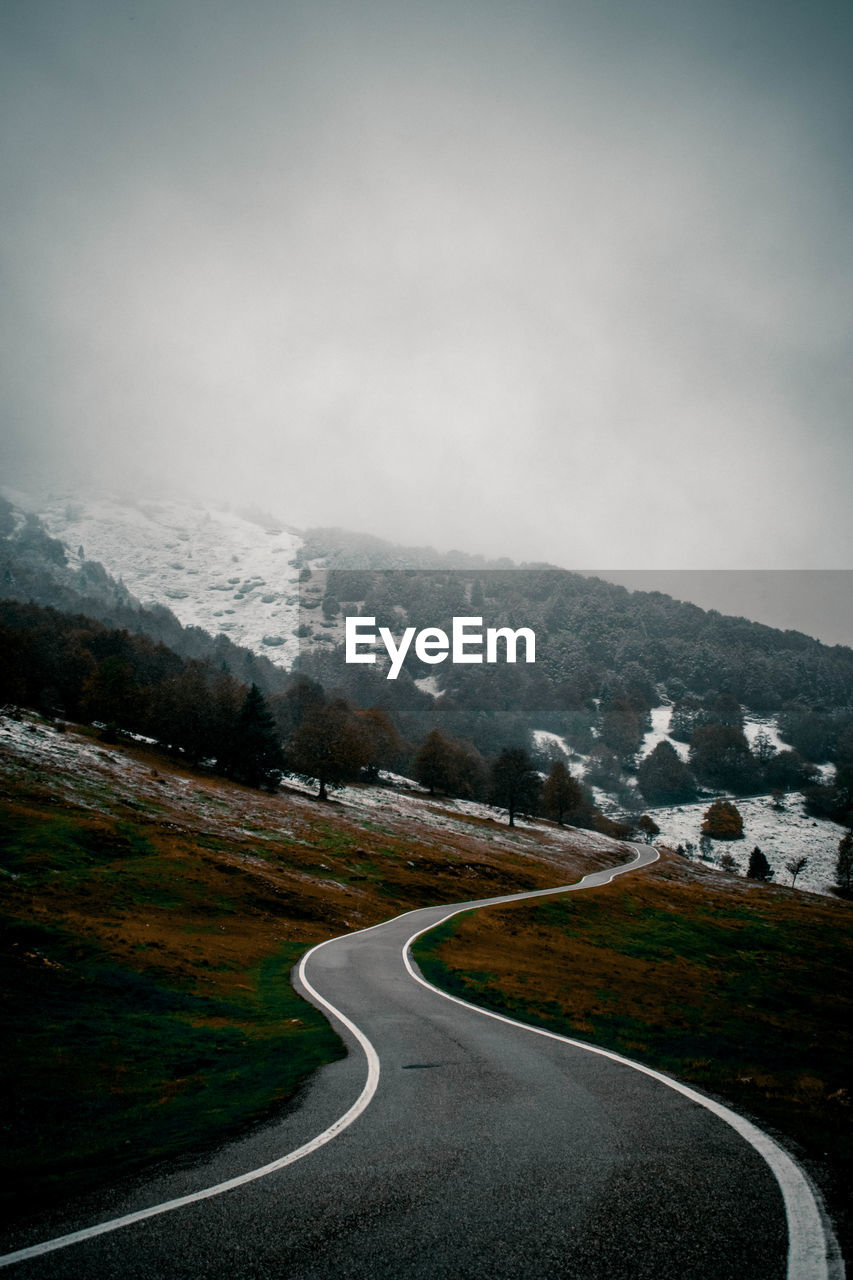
pixel 810 1246
pixel 812 1254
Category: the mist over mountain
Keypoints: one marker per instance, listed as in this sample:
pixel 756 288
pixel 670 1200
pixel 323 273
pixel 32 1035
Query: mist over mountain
pixel 619 676
pixel 235 573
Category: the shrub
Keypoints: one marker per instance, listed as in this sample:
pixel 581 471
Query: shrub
pixel 722 821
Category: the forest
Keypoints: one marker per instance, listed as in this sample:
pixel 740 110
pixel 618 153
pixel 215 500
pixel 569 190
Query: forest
pixel 75 643
pixel 474 741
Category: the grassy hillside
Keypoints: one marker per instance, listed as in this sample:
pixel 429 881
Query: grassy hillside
pixel 151 916
pixel 741 988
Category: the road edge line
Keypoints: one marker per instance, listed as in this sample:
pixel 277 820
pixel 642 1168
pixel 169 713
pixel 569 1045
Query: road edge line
pixel 207 1193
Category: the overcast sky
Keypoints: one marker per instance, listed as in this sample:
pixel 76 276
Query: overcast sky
pixel 569 281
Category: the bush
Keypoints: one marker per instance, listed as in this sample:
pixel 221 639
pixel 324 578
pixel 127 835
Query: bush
pixel 722 821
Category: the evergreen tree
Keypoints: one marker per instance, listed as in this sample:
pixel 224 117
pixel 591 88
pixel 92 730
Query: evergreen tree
pixel 759 868
pixel 515 784
pixel 620 728
pixel 844 866
pixel 257 757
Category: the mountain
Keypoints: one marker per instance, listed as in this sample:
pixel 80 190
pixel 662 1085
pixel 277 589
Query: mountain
pixel 217 570
pixel 44 569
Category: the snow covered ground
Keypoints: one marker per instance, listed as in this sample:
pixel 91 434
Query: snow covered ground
pixel 213 569
pixel 99 777
pixel 780 835
pixel 660 732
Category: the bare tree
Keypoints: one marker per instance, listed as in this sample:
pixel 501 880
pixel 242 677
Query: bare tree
pixel 795 866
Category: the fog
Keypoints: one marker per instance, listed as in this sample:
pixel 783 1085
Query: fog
pixel 565 281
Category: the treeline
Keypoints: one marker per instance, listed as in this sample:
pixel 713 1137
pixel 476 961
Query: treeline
pixel 604 654
pixel 72 666
pixel 605 658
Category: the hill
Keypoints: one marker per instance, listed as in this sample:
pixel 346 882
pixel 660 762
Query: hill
pixel 152 913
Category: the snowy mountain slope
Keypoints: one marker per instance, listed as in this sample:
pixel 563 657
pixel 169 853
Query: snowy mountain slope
pixel 213 569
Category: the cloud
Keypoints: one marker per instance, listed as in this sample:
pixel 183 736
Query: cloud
pixel 545 283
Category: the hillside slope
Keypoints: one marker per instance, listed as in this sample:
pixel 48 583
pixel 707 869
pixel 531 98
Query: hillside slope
pixel 151 916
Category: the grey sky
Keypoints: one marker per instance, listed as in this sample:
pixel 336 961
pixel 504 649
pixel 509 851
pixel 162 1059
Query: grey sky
pixel 566 281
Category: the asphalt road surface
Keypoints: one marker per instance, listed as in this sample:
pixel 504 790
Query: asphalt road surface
pixel 454 1144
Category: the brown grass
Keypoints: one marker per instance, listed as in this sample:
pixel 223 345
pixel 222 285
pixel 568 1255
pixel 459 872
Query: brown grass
pixel 741 988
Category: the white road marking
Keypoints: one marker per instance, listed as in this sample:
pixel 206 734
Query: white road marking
pixel 812 1251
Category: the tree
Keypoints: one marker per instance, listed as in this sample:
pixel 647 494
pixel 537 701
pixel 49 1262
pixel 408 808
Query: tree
pixel 515 784
pixel 720 757
pixel 603 769
pixel 794 866
pixel 664 778
pixel 433 765
pixel 728 863
pixel 722 821
pixel 759 868
pixel 291 708
pixel 763 748
pixel 329 745
pixel 686 715
pixel 620 728
pixel 844 866
pixel 562 794
pixel 788 771
pixel 257 758
pixel 649 828
pixel 384 745
pixel 725 709
pixel 447 765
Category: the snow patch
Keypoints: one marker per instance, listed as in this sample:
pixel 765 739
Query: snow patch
pixel 781 834
pixel 194 560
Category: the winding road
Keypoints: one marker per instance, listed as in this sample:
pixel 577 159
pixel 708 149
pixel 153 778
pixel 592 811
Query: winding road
pixel 453 1143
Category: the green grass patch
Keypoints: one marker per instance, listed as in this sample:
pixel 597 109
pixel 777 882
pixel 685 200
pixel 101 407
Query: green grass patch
pixel 107 1066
